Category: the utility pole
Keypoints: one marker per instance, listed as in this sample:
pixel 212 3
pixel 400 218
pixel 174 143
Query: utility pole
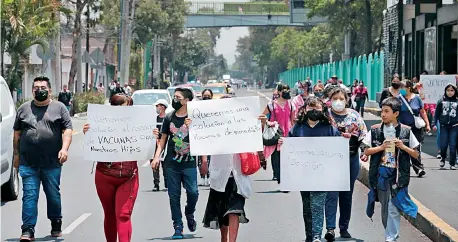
pixel 79 75
pixel 120 39
pixel 87 47
pixel 126 38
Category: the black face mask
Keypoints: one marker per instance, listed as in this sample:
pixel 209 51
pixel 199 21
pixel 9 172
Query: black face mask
pixel 206 98
pixel 314 115
pixel 286 95
pixel 395 85
pixel 41 95
pixel 176 104
pixel 318 94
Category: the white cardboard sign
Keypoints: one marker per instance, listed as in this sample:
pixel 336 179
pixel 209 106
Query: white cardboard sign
pixel 315 164
pixel 120 133
pixel 225 126
pixel 434 86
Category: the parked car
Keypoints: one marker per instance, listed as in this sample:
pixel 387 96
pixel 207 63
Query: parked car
pixel 9 174
pixel 196 87
pixel 150 96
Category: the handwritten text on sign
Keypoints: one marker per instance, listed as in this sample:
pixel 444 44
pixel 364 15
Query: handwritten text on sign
pixel 434 86
pixel 121 133
pixel 225 126
pixel 315 164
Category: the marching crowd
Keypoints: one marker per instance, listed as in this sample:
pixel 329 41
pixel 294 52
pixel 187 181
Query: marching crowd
pixel 43 134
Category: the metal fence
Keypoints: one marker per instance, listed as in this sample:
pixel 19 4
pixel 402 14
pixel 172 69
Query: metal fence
pixel 231 8
pixel 368 69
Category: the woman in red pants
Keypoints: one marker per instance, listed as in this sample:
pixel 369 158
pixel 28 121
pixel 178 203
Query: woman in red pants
pixel 117 188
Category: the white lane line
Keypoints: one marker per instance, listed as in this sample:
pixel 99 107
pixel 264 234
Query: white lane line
pixel 146 164
pixel 75 223
pixel 260 94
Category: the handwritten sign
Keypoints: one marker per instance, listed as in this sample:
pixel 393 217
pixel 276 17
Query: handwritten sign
pixel 225 126
pixel 434 86
pixel 315 164
pixel 120 133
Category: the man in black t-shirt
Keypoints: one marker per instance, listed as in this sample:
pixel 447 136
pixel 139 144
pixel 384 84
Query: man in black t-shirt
pixel 181 167
pixel 161 106
pixel 65 97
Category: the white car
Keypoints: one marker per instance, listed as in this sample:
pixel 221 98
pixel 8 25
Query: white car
pixel 9 174
pixel 150 96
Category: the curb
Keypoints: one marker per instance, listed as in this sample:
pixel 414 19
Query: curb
pixel 427 221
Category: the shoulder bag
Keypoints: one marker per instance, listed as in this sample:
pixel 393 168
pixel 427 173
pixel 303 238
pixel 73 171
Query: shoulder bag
pixel 419 122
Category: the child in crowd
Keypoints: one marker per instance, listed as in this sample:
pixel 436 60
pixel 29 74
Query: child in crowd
pixel 390 145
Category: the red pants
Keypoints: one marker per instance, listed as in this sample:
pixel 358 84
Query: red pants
pixel 117 196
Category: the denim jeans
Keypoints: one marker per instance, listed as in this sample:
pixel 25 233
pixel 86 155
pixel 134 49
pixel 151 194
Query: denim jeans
pixel 344 198
pixel 360 106
pixel 175 177
pixel 31 179
pixel 438 136
pixel 448 138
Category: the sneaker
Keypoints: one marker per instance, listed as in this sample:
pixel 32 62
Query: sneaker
pixel 421 173
pixel 206 182
pixel 192 225
pixel 452 167
pixel 330 235
pixel 27 235
pixel 442 163
pixel 178 233
pixel 201 181
pixel 317 240
pixel 156 188
pixel 344 234
pixel 439 156
pixel 274 178
pixel 56 228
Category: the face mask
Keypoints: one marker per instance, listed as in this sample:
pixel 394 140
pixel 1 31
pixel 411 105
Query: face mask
pixel 318 94
pixel 158 111
pixel 395 85
pixel 301 91
pixel 403 92
pixel 206 98
pixel 41 95
pixel 338 105
pixel 286 95
pixel 176 104
pixel 314 115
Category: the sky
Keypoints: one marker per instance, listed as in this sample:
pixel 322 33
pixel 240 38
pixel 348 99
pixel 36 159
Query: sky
pixel 227 44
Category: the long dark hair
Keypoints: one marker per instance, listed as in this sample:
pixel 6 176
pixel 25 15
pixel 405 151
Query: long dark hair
pixel 207 90
pixel 119 99
pixel 445 93
pixel 313 102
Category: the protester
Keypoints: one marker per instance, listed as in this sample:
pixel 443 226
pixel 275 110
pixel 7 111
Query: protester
pixel 297 87
pixel 42 136
pixel 117 90
pixel 412 106
pixel 332 83
pixel 207 94
pixel 65 97
pixel 180 165
pixel 318 91
pixel 389 172
pixel 446 115
pixel 281 112
pixel 229 188
pixel 101 88
pixel 361 95
pixel 117 186
pixel 161 106
pixel 298 101
pixel 392 91
pixel 127 89
pixel 313 121
pixel 349 121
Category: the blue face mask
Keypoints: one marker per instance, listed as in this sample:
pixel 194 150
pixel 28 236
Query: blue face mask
pixel 403 92
pixel 301 91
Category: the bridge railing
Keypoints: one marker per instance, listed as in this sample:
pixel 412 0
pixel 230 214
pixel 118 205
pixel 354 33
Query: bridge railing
pixel 238 8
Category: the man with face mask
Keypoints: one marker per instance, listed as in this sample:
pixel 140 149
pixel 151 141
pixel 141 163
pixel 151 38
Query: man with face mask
pixel 161 106
pixel 65 97
pixel 42 136
pixel 180 165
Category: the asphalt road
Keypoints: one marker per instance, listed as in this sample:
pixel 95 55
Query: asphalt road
pixel 274 216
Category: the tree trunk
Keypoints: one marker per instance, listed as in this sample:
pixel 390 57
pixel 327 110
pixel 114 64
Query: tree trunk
pixel 76 38
pixel 368 27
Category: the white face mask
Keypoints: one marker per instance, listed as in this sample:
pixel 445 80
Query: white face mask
pixel 338 105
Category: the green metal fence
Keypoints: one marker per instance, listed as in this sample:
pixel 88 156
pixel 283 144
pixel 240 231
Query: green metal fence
pixel 366 68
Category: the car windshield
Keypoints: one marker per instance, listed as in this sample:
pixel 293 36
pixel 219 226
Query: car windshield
pixel 217 90
pixel 148 98
pixel 197 88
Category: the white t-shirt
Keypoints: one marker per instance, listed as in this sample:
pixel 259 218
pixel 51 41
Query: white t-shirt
pixel 413 142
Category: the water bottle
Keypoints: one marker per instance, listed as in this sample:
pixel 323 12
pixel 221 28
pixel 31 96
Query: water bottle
pixel 390 152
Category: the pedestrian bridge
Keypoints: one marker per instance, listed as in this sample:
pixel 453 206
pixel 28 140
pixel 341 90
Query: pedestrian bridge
pixel 237 14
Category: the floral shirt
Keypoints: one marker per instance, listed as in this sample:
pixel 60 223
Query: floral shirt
pixel 351 123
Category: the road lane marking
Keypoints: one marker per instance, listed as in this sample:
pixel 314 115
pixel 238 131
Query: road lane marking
pixel 75 223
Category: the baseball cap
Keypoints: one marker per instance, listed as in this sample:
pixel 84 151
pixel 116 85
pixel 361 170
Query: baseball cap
pixel 162 102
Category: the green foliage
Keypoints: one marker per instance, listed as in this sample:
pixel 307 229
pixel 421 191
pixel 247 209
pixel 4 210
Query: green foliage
pixel 256 8
pixel 81 100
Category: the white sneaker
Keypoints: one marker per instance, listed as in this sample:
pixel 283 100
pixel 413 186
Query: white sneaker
pixel 317 240
pixel 452 167
pixel 201 182
pixel 206 182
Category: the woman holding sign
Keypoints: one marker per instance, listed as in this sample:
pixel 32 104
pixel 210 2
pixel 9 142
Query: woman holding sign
pixel 313 121
pixel 348 121
pixel 117 187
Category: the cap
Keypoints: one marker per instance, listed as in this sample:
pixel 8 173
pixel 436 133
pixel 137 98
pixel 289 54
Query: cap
pixel 162 102
pixel 334 76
